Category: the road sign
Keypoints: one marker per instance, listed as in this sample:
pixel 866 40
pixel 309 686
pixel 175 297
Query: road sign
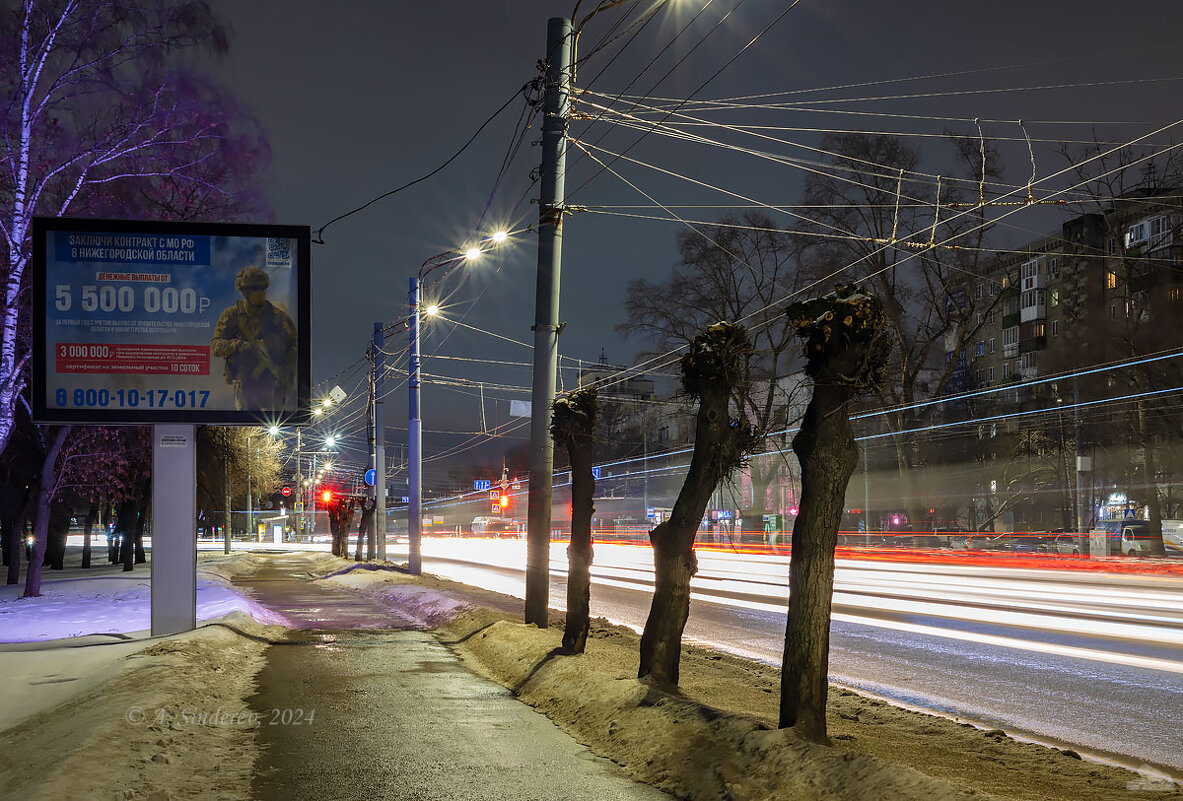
pixel 495 508
pixel 494 494
pixel 596 473
pixel 286 492
pixel 481 485
pixel 371 477
pixel 651 513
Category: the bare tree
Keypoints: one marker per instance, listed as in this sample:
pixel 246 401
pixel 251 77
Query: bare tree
pixel 881 223
pixel 741 269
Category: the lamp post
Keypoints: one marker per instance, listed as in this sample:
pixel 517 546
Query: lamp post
pixel 449 259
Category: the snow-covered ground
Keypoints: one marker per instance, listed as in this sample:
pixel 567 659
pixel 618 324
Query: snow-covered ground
pixel 111 714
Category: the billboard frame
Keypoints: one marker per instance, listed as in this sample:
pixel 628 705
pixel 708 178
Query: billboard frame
pixel 42 412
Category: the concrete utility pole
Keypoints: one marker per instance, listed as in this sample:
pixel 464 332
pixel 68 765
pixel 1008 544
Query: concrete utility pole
pixel 379 448
pixel 414 442
pixel 560 38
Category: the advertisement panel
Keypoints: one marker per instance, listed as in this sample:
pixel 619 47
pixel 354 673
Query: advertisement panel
pixel 161 322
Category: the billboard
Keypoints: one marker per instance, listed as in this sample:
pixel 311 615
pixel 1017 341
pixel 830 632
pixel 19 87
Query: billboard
pixel 168 322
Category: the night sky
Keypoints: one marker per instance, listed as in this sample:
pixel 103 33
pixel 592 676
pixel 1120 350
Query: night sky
pixel 360 97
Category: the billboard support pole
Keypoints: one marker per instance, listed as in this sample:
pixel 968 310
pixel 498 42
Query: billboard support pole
pixel 174 529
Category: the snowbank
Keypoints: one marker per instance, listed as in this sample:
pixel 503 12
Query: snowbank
pixel 170 720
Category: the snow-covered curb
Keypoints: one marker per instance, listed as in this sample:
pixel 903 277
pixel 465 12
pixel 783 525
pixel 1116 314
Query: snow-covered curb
pixel 427 606
pixel 682 747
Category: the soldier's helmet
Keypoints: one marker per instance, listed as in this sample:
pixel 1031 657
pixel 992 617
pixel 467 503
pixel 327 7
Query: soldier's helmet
pixel 252 277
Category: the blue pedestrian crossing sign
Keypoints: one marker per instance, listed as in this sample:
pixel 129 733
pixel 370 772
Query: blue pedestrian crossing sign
pixel 596 473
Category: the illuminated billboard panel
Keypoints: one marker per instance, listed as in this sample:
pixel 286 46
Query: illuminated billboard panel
pixel 162 322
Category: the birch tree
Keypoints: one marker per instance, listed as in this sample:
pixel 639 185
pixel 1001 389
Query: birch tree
pixel 102 120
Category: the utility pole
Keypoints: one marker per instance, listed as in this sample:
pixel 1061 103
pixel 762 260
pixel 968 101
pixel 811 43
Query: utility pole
pixel 414 442
pixel 556 105
pixel 379 448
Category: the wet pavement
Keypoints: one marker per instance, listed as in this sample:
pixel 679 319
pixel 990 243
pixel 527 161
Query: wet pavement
pixel 351 707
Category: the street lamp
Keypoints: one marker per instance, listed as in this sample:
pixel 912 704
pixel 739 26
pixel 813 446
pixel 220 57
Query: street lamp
pixel 448 259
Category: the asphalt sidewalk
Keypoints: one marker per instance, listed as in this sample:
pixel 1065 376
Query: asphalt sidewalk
pixel 360 706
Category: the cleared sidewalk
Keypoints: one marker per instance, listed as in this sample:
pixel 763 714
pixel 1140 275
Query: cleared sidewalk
pixel 371 712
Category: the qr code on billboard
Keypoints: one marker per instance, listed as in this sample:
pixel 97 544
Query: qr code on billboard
pixel 279 252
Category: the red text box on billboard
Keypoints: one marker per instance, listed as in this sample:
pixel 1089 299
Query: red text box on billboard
pixel 163 322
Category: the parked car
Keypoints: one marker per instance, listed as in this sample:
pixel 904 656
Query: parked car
pixel 1067 544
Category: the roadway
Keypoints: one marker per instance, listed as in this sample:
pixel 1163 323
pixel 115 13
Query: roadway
pixel 1082 658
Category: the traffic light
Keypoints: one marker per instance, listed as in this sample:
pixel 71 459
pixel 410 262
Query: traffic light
pixel 326 497
pixel 503 502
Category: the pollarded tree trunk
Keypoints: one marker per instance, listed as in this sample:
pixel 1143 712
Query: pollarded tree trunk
pixel 573 425
pixel 845 354
pixel 714 368
pixel 827 453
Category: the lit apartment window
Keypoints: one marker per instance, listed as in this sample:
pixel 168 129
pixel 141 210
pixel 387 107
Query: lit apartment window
pixel 1173 293
pixel 1055 297
pixel 1038 329
pixel 1110 279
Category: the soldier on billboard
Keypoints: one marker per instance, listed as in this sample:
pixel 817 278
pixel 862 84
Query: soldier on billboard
pixel 257 339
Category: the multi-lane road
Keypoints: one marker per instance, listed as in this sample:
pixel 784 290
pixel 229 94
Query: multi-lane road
pixel 1090 659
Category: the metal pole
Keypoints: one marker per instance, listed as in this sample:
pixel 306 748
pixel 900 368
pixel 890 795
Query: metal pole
pixel 227 517
pixel 300 494
pixel 866 496
pixel 312 497
pixel 250 512
pixel 556 101
pixel 414 442
pixel 379 448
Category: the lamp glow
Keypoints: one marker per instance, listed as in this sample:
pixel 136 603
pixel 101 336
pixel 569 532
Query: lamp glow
pixel 472 253
pixel 499 237
pixel 432 310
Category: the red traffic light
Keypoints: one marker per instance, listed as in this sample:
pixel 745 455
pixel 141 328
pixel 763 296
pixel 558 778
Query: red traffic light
pixel 327 496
